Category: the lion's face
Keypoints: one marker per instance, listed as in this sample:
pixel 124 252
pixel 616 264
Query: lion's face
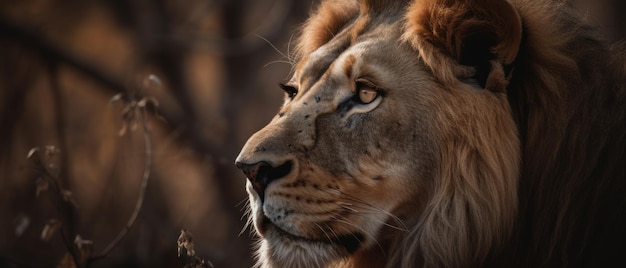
pixel 367 147
pixel 346 153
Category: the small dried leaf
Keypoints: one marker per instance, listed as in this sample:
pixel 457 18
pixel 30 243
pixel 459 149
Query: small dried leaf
pixel 152 81
pixel 122 131
pixel 51 150
pixel 185 241
pixel 42 186
pixel 32 152
pixel 50 229
pixel 68 197
pixel 82 243
pixel 22 224
pixel 116 98
pixel 141 103
pixel 85 247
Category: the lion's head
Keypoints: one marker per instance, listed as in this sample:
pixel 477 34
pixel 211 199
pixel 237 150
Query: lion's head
pixel 406 134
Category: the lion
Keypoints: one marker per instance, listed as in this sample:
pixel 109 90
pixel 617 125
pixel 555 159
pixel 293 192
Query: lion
pixel 444 133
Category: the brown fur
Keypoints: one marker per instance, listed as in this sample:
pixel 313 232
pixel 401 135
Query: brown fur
pixel 444 31
pixel 498 140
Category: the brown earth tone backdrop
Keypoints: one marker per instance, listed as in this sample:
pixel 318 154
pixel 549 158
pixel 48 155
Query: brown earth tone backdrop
pixel 86 77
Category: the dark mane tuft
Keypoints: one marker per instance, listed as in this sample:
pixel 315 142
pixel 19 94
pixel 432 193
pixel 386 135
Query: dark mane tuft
pixel 567 94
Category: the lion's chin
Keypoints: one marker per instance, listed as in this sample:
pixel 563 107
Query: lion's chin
pixel 279 248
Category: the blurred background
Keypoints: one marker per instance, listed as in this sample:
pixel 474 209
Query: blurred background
pixel 105 103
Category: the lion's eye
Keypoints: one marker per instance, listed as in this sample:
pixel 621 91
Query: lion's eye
pixel 364 99
pixel 291 91
pixel 366 93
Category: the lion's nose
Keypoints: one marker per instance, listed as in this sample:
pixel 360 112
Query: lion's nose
pixel 262 173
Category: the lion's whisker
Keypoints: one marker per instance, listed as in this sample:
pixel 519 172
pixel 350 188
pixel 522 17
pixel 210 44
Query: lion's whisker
pixel 289 55
pixel 247 215
pixel 401 226
pixel 368 214
pixel 323 231
pixel 277 61
pixel 273 46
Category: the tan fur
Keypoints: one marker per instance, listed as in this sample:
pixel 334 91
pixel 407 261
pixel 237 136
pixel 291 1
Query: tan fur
pixel 332 16
pixel 497 139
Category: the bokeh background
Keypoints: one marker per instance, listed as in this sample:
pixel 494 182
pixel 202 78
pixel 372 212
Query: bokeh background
pixel 87 76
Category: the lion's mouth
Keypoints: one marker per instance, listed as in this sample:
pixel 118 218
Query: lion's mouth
pixel 350 242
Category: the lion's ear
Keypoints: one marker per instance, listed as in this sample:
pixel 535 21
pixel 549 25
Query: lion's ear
pixel 461 39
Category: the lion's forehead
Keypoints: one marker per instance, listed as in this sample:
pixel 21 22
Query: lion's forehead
pixel 345 54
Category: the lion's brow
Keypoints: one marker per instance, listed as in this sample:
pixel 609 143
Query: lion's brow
pixel 319 62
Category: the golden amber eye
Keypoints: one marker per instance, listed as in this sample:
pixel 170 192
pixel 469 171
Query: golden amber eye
pixel 367 95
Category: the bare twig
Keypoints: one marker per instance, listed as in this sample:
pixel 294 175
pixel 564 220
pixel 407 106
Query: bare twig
pixel 43 165
pixel 68 211
pixel 142 190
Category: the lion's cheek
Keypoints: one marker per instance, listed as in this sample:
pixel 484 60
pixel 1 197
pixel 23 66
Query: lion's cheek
pixel 378 178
